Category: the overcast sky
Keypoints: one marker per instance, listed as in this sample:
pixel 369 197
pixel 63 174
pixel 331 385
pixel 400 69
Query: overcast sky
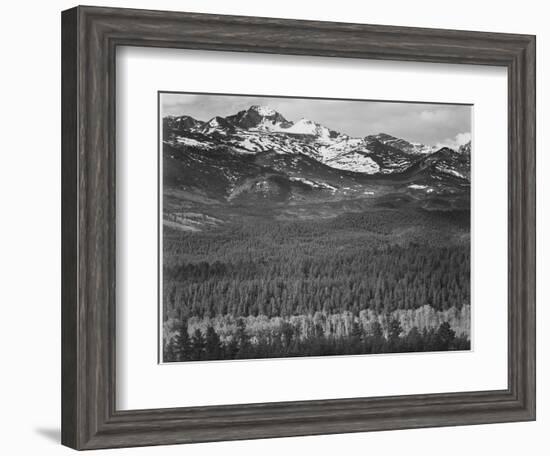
pixel 431 124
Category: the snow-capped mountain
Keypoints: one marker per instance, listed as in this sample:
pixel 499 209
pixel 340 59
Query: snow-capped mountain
pixel 258 118
pixel 466 148
pixel 261 129
pixel 181 123
pixel 258 151
pixel 401 144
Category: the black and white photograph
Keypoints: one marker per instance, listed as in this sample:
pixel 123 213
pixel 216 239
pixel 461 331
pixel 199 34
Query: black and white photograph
pixel 275 228
pixel 310 227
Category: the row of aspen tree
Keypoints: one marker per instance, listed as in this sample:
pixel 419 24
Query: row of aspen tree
pixel 287 342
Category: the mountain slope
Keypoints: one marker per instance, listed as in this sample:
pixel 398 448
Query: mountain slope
pixel 400 144
pixel 261 129
pixel 257 158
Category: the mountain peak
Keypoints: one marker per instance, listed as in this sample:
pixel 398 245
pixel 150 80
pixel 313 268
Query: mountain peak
pixel 264 111
pixel 256 116
pixel 383 136
pixel 182 122
pixel 445 150
pixel 307 127
pixel 401 144
pixel 304 121
pixel 216 123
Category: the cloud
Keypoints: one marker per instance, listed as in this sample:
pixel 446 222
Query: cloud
pixel 456 142
pixel 435 115
pixel 176 104
pixel 425 123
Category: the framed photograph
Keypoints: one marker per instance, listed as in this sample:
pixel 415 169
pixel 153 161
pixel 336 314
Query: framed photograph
pixel 284 238
pixel 280 228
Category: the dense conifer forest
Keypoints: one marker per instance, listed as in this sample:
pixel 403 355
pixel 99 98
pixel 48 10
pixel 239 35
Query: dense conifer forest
pixel 380 281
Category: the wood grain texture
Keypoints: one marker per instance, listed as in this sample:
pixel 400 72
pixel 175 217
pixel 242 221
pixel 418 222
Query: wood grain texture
pixel 89 39
pixel 69 229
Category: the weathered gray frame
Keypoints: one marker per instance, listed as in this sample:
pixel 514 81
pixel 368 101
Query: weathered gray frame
pixel 90 36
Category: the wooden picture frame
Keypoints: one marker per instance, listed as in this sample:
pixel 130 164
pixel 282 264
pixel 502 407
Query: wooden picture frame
pixel 90 36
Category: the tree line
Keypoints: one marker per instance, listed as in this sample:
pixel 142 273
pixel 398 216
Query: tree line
pixel 286 342
pixel 384 279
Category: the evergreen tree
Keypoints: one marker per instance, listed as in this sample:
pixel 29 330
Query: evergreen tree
pixel 378 341
pixel 213 344
pixel 445 336
pixel 198 345
pixel 287 333
pixel 231 349
pixel 182 343
pixel 356 337
pixel 242 338
pixel 377 331
pixel 414 340
pixel 169 353
pixel 394 330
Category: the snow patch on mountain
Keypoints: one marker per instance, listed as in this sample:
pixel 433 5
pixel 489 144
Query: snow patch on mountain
pixel 263 110
pixel 304 127
pixel 452 172
pixel 418 187
pixel 413 148
pixel 313 184
pixel 250 145
pixel 267 125
pixel 193 142
pixel 465 148
pixel 355 162
pixel 426 188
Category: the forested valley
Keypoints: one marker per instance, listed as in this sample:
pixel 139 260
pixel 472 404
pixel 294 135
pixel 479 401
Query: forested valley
pixel 382 281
